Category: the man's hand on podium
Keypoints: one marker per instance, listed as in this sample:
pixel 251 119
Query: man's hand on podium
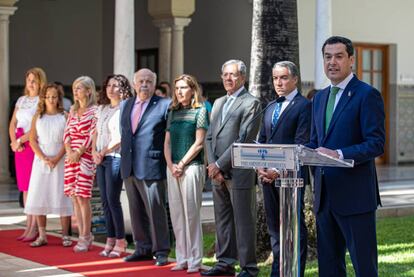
pixel 329 152
pixel 267 175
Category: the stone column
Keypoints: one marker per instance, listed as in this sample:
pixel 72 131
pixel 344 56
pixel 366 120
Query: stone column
pixel 124 38
pixel 323 30
pixel 177 46
pixel 171 16
pixel 6 10
pixel 164 52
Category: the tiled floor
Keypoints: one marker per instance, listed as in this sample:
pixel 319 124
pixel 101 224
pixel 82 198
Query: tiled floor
pixel 12 266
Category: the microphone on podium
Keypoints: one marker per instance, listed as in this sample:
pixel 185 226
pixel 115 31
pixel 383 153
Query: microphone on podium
pixel 243 138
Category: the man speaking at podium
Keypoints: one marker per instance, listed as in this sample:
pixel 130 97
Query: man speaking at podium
pixel 287 120
pixel 347 123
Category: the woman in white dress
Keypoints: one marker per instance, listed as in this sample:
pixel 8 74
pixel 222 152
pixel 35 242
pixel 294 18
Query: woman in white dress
pixel 19 131
pixel 46 182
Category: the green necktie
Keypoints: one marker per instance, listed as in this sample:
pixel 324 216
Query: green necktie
pixel 330 107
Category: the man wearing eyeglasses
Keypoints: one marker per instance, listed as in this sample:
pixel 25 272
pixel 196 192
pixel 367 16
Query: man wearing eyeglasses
pixel 233 120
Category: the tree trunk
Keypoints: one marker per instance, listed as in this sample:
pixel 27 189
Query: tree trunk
pixel 274 39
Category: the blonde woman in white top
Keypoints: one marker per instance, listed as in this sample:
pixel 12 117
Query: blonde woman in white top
pixel 19 130
pixel 106 154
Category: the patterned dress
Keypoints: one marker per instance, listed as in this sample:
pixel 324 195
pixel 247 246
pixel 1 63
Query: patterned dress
pixel 78 132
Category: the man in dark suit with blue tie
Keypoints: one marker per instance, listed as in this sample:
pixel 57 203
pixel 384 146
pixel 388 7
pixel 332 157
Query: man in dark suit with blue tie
pixel 143 123
pixel 347 123
pixel 287 120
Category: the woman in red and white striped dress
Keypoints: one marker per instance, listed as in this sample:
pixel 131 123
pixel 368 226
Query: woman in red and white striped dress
pixel 79 165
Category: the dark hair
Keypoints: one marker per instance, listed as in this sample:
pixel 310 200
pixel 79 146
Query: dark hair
pixel 337 39
pixel 58 83
pixel 163 90
pixel 165 83
pixel 41 107
pixel 60 87
pixel 124 88
pixel 311 93
pixel 203 91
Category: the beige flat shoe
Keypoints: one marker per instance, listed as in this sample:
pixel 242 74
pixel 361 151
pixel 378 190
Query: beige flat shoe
pixel 39 242
pixel 66 241
pixel 178 267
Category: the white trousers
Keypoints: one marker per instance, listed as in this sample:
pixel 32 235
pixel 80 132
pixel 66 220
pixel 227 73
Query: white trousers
pixel 184 197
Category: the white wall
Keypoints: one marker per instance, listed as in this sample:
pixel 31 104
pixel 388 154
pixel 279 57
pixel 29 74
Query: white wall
pixel 389 22
pixel 379 21
pixel 306 24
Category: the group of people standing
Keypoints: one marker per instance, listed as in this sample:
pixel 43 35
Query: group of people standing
pixel 58 155
pixel 155 146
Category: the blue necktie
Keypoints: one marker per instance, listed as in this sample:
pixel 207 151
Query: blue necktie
pixel 276 113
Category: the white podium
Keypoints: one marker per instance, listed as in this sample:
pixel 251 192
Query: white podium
pixel 287 158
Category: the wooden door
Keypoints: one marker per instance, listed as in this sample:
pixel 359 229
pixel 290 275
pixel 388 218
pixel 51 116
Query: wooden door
pixel 371 66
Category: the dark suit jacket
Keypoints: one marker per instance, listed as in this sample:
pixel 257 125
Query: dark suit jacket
pixel 293 126
pixel 357 129
pixel 236 127
pixel 142 152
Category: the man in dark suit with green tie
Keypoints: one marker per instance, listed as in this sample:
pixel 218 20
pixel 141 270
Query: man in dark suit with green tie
pixel 348 123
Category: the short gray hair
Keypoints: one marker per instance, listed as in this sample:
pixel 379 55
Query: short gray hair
pixel 154 75
pixel 293 69
pixel 240 66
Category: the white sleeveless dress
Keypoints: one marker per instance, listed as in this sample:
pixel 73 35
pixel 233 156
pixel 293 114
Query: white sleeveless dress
pixel 45 194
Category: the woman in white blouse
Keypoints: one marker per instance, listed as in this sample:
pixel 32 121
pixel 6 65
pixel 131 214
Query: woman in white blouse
pixel 106 154
pixel 19 130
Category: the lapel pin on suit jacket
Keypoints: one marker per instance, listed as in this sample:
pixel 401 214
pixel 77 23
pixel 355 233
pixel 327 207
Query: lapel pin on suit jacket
pixel 349 93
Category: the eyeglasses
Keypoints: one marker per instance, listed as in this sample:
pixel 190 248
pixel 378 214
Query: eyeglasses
pixel 231 75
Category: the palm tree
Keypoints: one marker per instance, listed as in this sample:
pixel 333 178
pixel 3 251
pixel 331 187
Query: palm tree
pixel 274 38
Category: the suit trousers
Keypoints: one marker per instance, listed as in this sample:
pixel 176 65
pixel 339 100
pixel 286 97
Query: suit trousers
pixel 337 232
pixel 235 217
pixel 185 198
pixel 272 208
pixel 146 200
